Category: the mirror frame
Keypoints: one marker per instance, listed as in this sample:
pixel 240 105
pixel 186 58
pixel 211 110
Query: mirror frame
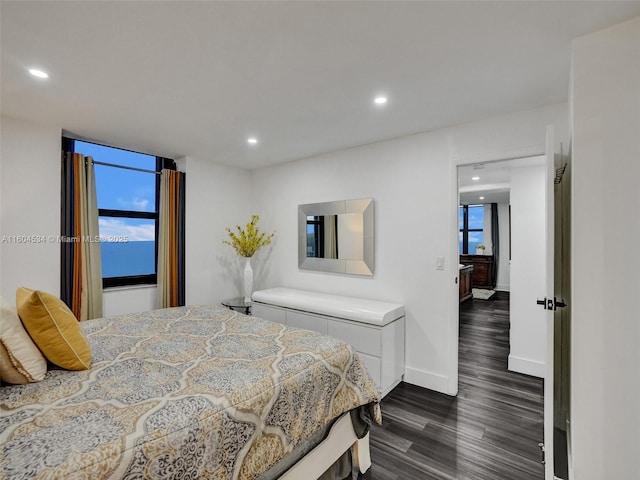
pixel 363 206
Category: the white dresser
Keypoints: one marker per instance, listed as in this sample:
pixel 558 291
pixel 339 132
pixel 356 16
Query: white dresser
pixel 375 329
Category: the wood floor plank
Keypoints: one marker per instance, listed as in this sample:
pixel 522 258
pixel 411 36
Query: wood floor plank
pixel 490 431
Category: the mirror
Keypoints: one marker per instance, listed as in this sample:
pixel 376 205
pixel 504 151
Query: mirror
pixel 336 236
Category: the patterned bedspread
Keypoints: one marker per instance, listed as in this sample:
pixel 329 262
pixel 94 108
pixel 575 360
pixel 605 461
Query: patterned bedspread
pixel 188 392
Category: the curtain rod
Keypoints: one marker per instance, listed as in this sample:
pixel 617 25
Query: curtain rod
pixel 79 138
pixel 126 167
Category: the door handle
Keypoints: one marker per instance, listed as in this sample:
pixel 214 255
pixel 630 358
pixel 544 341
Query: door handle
pixel 547 304
pixel 551 304
pixel 558 303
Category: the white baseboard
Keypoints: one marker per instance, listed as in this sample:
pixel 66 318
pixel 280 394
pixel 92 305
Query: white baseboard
pixel 526 366
pixel 502 288
pixel 432 381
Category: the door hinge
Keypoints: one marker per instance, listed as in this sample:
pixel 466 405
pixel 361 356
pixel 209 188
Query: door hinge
pixel 541 446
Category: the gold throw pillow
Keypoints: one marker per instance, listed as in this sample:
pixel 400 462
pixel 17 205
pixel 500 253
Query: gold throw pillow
pixel 54 329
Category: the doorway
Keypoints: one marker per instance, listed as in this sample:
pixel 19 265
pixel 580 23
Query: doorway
pixel 502 210
pixel 502 333
pixel 530 329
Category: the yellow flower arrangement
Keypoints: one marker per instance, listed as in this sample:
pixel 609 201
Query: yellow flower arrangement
pixel 247 242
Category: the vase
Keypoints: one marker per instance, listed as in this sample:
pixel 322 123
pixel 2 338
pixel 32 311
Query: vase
pixel 248 279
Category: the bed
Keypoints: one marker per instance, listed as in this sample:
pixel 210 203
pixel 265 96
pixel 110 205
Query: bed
pixel 192 392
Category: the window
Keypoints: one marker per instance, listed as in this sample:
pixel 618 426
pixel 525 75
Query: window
pixel 471 222
pixel 127 185
pixel 315 232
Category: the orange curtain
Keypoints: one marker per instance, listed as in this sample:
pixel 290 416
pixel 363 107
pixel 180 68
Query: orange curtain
pixel 171 240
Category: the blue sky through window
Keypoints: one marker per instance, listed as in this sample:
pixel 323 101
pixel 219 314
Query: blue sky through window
pixel 476 220
pixel 120 189
pixel 116 156
pixel 127 244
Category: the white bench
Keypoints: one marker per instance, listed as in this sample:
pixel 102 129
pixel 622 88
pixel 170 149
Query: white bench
pixel 375 329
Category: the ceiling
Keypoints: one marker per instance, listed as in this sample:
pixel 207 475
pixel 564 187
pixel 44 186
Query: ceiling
pixel 490 182
pixel 182 78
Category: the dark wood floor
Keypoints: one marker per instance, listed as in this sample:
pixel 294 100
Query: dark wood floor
pixel 490 431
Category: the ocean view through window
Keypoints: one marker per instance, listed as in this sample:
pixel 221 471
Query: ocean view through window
pixel 127 185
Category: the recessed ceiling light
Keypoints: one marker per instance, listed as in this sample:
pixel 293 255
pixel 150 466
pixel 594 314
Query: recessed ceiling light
pixel 38 73
pixel 381 100
pixel 475 178
pixel 252 140
pixel 481 198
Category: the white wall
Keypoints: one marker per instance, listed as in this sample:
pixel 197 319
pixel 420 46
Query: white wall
pixel 29 206
pixel 121 300
pixel 503 280
pixel 487 230
pixel 527 337
pixel 350 233
pixel 216 197
pixel 605 350
pixel 408 178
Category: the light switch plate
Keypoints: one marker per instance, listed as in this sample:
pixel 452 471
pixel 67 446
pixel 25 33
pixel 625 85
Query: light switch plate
pixel 440 263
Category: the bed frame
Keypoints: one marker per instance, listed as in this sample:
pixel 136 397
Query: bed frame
pixel 341 438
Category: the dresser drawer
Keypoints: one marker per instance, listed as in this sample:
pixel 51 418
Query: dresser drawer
pixel 373 366
pixel 364 339
pixel 268 313
pixel 310 322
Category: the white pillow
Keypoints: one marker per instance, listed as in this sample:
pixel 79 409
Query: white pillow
pixel 20 360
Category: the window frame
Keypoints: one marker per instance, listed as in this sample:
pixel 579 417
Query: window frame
pixel 465 227
pixel 161 163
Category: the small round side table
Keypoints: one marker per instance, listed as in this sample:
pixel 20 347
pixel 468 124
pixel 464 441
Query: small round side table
pixel 238 304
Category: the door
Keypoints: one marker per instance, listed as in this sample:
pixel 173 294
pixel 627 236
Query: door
pixel 557 318
pixel 562 321
pixel 548 303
